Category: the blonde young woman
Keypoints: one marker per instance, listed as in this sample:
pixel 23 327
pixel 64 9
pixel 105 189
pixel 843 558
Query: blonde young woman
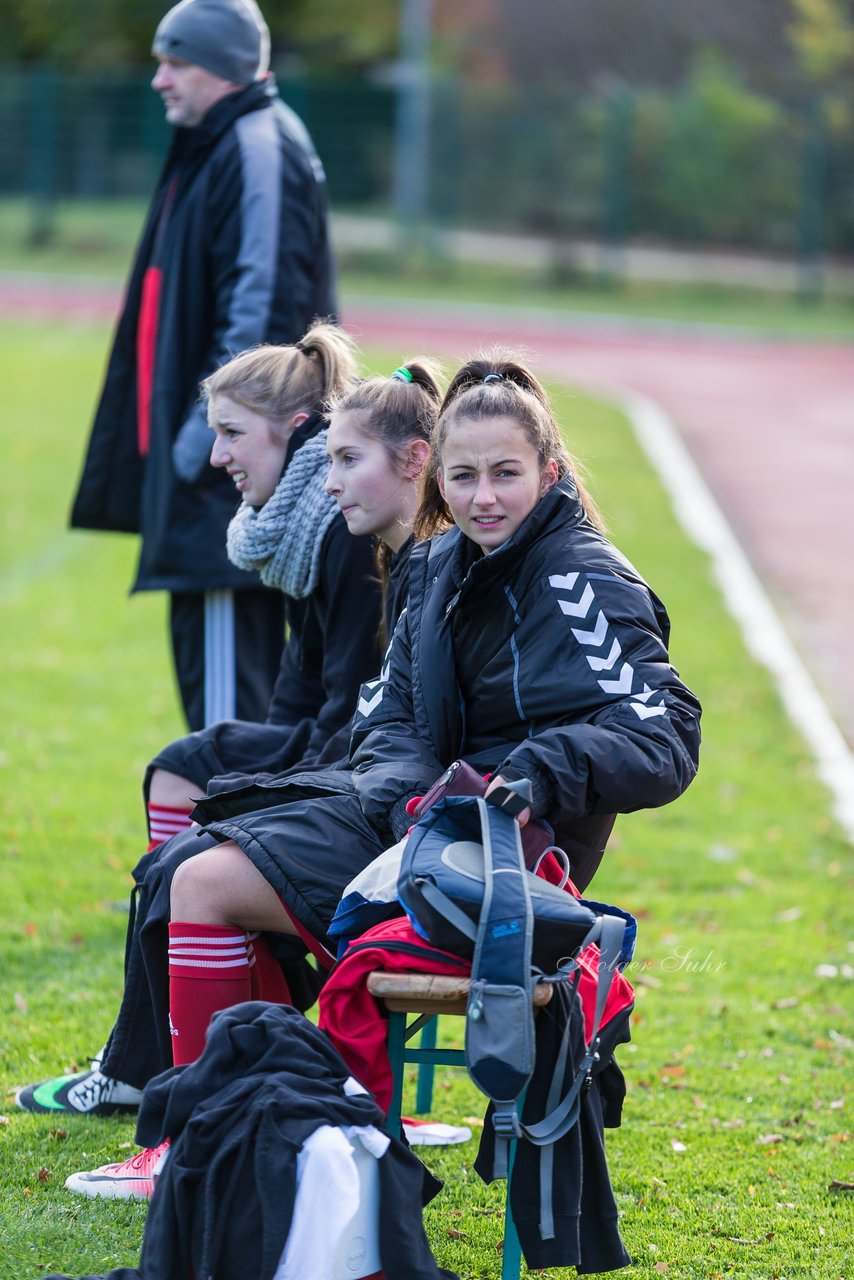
pixel 374 452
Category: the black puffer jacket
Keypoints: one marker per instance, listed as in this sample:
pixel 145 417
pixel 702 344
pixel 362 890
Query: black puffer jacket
pixel 546 659
pixel 238 230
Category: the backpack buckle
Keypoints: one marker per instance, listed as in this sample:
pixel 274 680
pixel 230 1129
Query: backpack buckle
pixel 506 1123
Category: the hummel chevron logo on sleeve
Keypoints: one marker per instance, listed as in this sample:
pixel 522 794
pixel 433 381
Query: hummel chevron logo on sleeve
pixel 578 600
pixel 605 664
pixel 597 635
pixel 371 692
pixel 367 705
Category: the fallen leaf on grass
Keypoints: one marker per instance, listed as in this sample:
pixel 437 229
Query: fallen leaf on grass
pixel 44 1174
pixel 59 1135
pixel 744 1240
pixel 31 929
pixel 4 1119
pixel 787 1002
pixel 456 1235
pixel 838 1185
pixel 475 1121
pixel 661 1267
pixel 767 1138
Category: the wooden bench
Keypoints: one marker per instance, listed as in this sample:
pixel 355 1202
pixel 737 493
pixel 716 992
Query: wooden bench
pixel 427 996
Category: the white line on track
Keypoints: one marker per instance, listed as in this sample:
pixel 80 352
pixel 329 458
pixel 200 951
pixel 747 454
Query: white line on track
pixel 745 597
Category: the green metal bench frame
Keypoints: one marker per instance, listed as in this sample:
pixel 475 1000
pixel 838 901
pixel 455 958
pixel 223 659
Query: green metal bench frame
pixel 428 997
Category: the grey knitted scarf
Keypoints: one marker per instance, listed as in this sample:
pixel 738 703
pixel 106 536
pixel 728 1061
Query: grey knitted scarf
pixel 282 539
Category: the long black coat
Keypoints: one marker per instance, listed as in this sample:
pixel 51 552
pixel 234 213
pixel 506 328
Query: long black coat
pixel 245 258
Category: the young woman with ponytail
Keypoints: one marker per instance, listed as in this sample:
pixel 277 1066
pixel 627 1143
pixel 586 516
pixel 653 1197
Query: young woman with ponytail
pixel 227 915
pixel 267 411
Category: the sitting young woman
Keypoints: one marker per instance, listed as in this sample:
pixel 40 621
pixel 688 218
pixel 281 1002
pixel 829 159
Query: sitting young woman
pixel 530 647
pixel 290 528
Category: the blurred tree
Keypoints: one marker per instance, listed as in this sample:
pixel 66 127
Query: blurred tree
pixel 101 33
pixel 822 33
pixel 117 33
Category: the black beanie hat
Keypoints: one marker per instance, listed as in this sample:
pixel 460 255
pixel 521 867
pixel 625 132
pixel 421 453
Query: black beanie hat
pixel 228 37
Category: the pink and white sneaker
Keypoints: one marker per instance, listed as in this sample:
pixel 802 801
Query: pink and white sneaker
pixel 133 1179
pixel 431 1133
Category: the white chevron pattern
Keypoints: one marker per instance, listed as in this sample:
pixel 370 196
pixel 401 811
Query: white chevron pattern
pixel 644 713
pixel 578 610
pixel 565 581
pixel 367 705
pixel 596 636
pixel 605 664
pixel 623 683
pixel 371 692
pixel 574 605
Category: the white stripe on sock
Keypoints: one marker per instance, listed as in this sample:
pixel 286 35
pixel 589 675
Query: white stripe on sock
pixel 206 951
pixel 234 940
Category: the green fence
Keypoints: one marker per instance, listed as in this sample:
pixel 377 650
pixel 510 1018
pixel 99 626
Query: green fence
pixel 708 165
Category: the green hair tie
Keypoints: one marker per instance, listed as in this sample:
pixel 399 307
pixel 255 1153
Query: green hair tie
pixel 401 375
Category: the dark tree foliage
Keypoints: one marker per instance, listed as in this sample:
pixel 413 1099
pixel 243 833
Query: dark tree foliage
pixel 116 34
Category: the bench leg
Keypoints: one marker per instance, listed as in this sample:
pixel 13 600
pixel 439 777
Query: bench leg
pixel 511 1256
pixel 396 1046
pixel 424 1090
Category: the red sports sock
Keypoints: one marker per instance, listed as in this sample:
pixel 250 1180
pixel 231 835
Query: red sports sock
pixel 208 971
pixel 266 977
pixel 164 821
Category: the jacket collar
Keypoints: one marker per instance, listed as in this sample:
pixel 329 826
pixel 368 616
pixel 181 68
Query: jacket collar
pixel 222 115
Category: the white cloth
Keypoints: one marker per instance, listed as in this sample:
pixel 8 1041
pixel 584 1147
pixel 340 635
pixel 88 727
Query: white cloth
pixel 334 1228
pixel 377 882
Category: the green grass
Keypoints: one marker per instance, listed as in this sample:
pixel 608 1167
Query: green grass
pixel 741 1052
pixel 97 238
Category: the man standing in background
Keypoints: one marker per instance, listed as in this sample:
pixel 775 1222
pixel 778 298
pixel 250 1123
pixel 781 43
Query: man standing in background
pixel 235 252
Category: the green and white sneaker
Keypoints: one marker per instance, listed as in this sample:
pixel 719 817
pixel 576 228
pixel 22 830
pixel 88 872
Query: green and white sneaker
pixel 88 1094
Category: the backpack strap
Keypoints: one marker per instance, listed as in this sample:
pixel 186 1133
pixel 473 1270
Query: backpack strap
pixel 499 1037
pixel 562 1113
pixel 500 1060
